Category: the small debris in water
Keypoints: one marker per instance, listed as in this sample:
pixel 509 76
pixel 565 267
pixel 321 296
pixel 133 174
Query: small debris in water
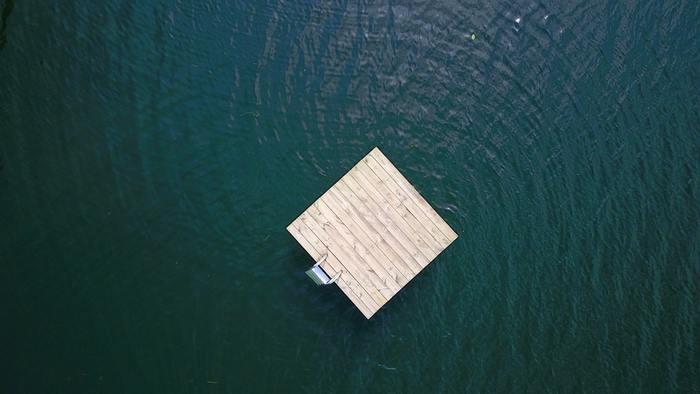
pixel 473 36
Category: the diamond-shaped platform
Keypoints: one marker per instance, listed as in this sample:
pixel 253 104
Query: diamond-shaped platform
pixel 376 229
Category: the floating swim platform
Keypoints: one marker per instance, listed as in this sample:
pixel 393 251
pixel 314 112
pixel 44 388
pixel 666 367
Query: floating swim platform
pixel 375 230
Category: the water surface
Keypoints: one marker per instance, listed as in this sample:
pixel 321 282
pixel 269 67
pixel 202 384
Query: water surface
pixel 152 154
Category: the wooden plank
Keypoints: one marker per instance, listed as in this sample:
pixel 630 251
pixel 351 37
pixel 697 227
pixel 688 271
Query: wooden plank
pixel 346 282
pixel 340 205
pixel 421 236
pixel 375 223
pixel 335 266
pixel 332 265
pixel 379 201
pixel 328 236
pixel 384 273
pixel 378 212
pixel 356 258
pixel 363 238
pixel 412 193
pixel 394 216
pixel 381 178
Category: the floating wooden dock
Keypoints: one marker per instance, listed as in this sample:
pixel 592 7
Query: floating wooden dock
pixel 377 231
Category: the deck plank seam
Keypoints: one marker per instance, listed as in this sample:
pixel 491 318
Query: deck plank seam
pixel 372 247
pixel 407 202
pixel 412 192
pixel 363 278
pixel 384 212
pixel 391 226
pixel 382 236
pixel 418 229
pixel 355 242
pixel 372 279
pixel 358 291
pixel 397 245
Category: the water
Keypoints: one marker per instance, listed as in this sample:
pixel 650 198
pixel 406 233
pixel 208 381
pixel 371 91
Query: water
pixel 152 154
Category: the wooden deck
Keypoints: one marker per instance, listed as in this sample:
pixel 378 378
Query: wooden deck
pixel 376 229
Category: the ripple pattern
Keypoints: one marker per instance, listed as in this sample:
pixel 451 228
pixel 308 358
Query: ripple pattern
pixel 151 155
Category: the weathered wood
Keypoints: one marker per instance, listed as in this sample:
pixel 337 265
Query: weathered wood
pixel 379 227
pixel 379 258
pixel 393 189
pixel 346 282
pixel 379 213
pixel 331 238
pixel 415 231
pixel 377 231
pixel 379 274
pixel 413 194
pixel 339 204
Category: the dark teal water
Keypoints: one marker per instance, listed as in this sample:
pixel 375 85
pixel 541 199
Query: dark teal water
pixel 152 154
